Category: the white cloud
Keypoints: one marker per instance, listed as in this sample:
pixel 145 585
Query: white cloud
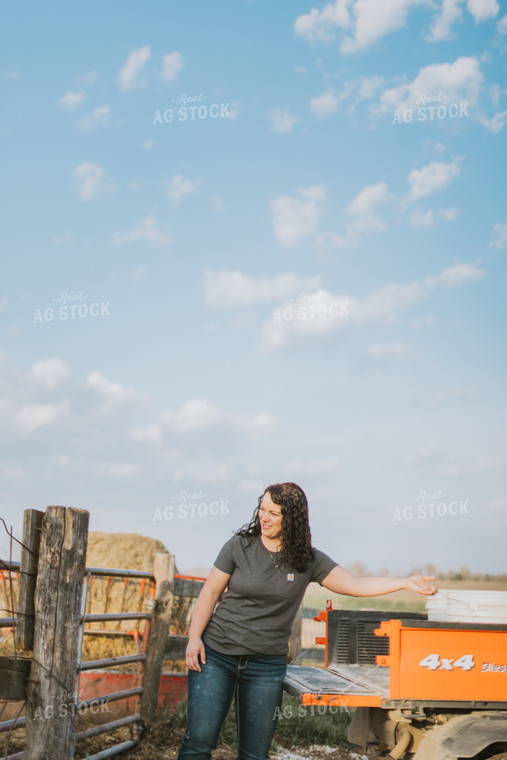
pixel 295 219
pixel 449 15
pixel 120 470
pixel 148 230
pixel 499 237
pixel 315 193
pixel 365 219
pixel 501 27
pixel 420 218
pixel 33 416
pixel 148 144
pixel 483 9
pixel 89 78
pixel 260 425
pixel 233 110
pixel 151 433
pixel 71 100
pixel 193 415
pixel 420 324
pixel 456 275
pixel 374 20
pixel 435 176
pixel 368 86
pixel 455 82
pixel 498 504
pixel 328 239
pixel 50 372
pixel 128 78
pixel 287 325
pixel 111 391
pixel 367 20
pixel 98 117
pixel 381 352
pixel 325 104
pixel 138 273
pixel 449 214
pixel 452 394
pixel 172 63
pixel 233 289
pixel 321 25
pixel 496 123
pixel 281 120
pixel 93 181
pixel 217 203
pixel 178 188
pixel 336 313
pixel 485 463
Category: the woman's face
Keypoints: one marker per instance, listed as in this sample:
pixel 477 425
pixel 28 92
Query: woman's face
pixel 270 517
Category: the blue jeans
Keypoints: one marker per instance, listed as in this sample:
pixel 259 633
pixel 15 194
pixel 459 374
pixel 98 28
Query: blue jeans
pixel 256 681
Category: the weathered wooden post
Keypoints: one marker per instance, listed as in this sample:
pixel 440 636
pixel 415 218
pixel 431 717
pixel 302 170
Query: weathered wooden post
pixel 157 636
pixel 50 710
pixel 32 526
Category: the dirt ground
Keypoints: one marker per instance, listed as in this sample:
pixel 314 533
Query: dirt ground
pixel 162 742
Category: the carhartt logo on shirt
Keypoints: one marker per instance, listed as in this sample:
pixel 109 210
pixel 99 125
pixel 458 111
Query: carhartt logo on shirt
pixel 290 576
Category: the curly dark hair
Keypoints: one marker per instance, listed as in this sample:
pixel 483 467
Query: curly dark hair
pixel 296 536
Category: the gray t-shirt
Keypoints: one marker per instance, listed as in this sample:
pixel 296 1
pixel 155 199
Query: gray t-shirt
pixel 257 610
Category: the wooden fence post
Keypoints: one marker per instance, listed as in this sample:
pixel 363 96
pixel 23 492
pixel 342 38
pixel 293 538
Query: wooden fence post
pixel 157 636
pixel 32 525
pixel 50 710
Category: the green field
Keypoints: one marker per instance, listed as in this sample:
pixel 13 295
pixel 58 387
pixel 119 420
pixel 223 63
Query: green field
pixel 316 596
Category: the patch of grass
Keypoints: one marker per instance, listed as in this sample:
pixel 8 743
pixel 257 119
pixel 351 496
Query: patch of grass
pixel 313 724
pixel 297 724
pixel 228 733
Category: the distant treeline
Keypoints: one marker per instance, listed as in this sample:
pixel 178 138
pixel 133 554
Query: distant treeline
pixel 462 574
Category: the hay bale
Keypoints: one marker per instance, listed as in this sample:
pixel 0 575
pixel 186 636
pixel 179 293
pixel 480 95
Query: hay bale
pixel 128 551
pixel 120 551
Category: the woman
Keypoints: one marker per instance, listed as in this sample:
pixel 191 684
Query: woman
pixel 241 648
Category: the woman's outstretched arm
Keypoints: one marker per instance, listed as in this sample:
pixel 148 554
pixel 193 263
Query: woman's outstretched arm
pixel 341 581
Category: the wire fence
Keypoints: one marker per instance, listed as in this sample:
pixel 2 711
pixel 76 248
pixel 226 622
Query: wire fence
pixel 114 628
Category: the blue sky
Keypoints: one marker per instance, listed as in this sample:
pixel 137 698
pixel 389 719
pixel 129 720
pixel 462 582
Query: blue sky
pixel 247 243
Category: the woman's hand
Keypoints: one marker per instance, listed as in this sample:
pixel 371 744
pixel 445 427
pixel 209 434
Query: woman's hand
pixel 195 649
pixel 418 583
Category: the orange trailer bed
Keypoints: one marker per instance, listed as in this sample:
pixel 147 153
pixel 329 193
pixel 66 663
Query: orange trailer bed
pixel 425 663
